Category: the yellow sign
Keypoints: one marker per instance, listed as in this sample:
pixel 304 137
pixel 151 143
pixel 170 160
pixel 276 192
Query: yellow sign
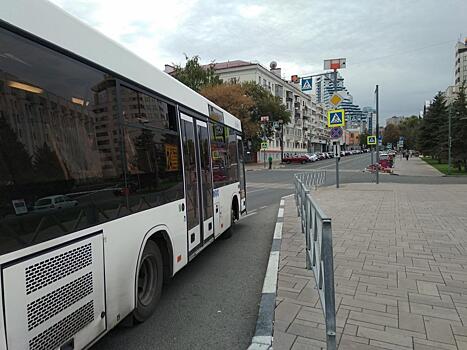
pixel 335 99
pixel 336 117
pixel 171 157
pixel 371 140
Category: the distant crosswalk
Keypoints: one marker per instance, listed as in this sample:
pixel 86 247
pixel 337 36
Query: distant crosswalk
pixel 262 186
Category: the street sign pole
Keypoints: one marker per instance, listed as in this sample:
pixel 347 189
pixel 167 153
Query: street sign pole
pixel 377 134
pixel 338 141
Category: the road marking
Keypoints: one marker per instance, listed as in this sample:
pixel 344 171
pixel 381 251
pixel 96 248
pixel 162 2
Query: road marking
pixel 253 212
pixel 270 280
pixel 280 213
pixel 264 206
pixel 261 189
pixel 282 203
pixel 278 230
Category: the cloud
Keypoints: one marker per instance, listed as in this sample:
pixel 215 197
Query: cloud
pixel 407 47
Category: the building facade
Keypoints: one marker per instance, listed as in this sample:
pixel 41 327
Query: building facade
pixel 306 131
pixel 324 87
pixel 460 67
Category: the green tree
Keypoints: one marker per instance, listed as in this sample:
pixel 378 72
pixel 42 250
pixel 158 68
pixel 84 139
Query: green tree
pixel 194 75
pixel 459 127
pixel 363 139
pixel 391 134
pixel 233 98
pixel 409 129
pixel 47 167
pixel 16 161
pixel 433 131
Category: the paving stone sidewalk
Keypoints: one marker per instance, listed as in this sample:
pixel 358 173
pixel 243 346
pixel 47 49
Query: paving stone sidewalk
pixel 400 264
pixel 414 167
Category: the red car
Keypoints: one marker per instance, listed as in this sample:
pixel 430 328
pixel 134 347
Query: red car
pixel 296 159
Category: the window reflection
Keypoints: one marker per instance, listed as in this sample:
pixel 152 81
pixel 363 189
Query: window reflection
pixel 61 154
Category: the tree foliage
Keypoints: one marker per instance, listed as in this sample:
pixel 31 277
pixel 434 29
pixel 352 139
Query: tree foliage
pixel 409 129
pixel 234 99
pixel 47 166
pixel 459 127
pixel 15 160
pixel 433 133
pixel 391 134
pixel 194 75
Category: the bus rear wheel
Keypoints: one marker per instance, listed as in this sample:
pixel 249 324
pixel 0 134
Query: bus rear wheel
pixel 149 283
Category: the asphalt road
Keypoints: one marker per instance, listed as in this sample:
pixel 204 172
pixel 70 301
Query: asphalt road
pixel 213 302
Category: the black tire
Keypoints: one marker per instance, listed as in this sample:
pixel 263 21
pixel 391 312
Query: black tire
pixel 149 282
pixel 287 162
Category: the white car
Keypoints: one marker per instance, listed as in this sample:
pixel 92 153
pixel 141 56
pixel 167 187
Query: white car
pixel 312 157
pixel 55 202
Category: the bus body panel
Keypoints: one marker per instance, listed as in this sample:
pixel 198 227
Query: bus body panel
pixel 2 322
pixel 124 242
pixel 56 295
pixel 50 23
pixel 223 197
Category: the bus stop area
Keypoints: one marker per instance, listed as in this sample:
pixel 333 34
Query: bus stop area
pixel 400 270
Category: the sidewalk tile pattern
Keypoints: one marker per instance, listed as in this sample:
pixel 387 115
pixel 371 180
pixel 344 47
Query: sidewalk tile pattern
pixel 400 264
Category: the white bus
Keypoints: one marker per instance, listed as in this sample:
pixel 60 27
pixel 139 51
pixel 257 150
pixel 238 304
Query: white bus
pixel 113 176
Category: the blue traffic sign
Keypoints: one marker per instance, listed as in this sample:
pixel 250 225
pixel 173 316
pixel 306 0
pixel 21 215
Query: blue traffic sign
pixel 336 118
pixel 336 132
pixel 306 84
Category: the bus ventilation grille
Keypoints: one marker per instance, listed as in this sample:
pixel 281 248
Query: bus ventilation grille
pixel 46 307
pixel 63 330
pixel 51 270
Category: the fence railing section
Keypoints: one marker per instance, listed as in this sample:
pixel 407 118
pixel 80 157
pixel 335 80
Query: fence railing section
pixel 319 257
pixel 313 178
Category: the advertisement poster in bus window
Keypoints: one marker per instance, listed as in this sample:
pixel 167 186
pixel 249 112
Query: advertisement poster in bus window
pixel 171 156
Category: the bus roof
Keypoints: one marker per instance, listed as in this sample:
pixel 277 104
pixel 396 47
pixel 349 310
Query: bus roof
pixel 50 23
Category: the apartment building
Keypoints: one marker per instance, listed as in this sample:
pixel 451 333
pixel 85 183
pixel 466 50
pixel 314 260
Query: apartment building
pixel 307 130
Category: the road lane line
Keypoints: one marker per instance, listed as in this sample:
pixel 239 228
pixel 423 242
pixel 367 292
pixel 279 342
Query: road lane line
pixel 262 338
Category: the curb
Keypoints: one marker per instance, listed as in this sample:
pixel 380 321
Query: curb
pixel 262 338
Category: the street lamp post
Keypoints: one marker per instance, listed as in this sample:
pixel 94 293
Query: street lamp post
pixel 377 133
pixel 449 140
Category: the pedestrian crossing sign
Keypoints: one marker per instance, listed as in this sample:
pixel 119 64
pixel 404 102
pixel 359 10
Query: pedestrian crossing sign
pixel 371 140
pixel 336 117
pixel 306 84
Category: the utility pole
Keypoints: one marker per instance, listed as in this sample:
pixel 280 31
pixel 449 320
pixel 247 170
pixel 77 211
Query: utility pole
pixel 371 133
pixel 449 140
pixel 377 133
pixel 282 140
pixel 337 147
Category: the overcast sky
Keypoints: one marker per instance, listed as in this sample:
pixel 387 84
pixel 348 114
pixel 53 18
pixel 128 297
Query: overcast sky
pixel 407 47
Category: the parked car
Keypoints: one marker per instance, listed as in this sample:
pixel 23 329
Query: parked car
pixel 330 154
pixel 312 157
pixel 296 159
pixel 321 156
pixel 343 153
pixel 54 202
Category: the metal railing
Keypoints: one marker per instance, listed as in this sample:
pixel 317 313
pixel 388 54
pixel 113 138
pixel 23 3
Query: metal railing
pixel 312 178
pixel 319 257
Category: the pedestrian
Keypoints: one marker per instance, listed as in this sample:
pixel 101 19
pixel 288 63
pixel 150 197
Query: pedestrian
pixel 407 156
pixel 270 162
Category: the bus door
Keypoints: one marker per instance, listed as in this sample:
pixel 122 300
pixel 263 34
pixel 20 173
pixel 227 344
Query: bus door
pixel 206 179
pixel 241 174
pixel 198 182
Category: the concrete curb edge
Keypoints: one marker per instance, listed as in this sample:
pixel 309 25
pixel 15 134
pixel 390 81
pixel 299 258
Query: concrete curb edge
pixel 262 338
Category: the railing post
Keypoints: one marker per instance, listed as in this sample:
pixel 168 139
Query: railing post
pixel 307 233
pixel 329 293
